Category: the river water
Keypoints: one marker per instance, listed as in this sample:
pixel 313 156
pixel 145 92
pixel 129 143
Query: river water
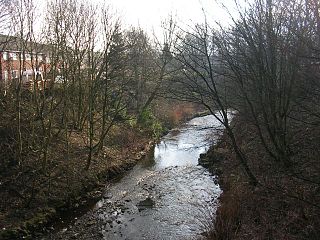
pixel 166 196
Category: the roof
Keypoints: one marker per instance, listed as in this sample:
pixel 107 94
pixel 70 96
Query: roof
pixel 12 43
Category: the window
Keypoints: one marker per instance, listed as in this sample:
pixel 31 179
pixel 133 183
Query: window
pixel 13 56
pixel 6 76
pixel 5 56
pixel 15 74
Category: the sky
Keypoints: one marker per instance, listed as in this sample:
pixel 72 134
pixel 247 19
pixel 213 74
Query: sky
pixel 148 14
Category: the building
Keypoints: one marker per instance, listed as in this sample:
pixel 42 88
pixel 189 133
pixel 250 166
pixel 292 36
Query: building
pixel 21 60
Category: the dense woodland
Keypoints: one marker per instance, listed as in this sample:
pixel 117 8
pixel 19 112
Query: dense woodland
pixel 264 67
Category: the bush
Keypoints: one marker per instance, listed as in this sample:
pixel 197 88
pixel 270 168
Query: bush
pixel 149 121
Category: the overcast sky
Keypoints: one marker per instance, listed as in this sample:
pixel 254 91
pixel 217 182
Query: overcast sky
pixel 149 13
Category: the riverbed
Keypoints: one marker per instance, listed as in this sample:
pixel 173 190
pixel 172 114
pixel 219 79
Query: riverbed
pixel 166 196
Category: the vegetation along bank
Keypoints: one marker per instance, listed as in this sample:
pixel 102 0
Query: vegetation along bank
pixel 83 97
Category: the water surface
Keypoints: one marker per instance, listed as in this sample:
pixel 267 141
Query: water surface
pixel 166 196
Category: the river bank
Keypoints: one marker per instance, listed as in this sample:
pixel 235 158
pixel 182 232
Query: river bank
pixel 73 189
pixel 282 206
pixel 34 202
pixel 165 196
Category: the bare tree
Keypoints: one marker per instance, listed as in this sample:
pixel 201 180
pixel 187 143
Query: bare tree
pixel 200 81
pixel 163 70
pixel 262 55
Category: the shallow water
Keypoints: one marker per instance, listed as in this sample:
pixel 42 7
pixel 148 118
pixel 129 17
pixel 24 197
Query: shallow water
pixel 176 193
pixel 166 196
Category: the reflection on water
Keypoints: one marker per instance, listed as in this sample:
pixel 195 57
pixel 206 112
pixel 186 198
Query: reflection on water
pixel 181 192
pixel 166 196
pixel 183 146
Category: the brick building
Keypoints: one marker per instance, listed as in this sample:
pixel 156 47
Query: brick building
pixel 27 60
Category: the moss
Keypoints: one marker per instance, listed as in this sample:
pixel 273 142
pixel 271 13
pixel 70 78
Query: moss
pixel 15 233
pixel 38 220
pixel 41 218
pixel 56 203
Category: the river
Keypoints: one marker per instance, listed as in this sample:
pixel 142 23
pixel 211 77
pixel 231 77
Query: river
pixel 166 196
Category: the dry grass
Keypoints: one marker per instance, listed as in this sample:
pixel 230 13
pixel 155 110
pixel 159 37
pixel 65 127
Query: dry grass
pixel 283 206
pixel 228 218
